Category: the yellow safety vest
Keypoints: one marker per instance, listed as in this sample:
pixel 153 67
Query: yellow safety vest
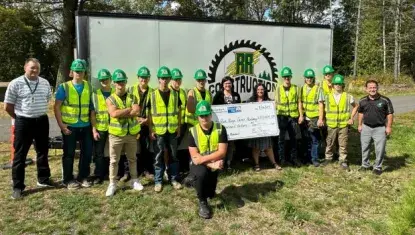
pixel 337 115
pixel 134 90
pixel 75 107
pixel 191 117
pixel 206 144
pixel 123 126
pixel 183 100
pixel 287 105
pixel 165 119
pixel 326 88
pixel 310 100
pixel 101 110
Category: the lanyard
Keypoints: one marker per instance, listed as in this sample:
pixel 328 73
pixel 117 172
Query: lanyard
pixel 27 83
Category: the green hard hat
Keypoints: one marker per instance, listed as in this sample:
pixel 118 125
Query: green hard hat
pixel 143 72
pixel 203 108
pixel 286 72
pixel 104 74
pixel 338 79
pixel 200 74
pixel 119 76
pixel 78 65
pixel 163 72
pixel 176 74
pixel 309 73
pixel 328 69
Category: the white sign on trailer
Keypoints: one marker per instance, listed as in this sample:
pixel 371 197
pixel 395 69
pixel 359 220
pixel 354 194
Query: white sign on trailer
pixel 247 120
pixel 249 52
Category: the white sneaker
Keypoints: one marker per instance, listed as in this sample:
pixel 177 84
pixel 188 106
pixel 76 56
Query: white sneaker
pixel 136 185
pixel 112 187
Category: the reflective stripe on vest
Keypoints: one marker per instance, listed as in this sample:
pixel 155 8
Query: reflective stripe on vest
pixel 310 101
pixel 164 118
pixel 101 111
pixel 191 117
pixel 287 105
pixel 183 100
pixel 123 126
pixel 75 107
pixel 337 115
pixel 206 144
pixel 134 90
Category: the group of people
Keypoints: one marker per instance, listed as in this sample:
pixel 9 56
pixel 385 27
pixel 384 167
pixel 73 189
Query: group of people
pixel 170 129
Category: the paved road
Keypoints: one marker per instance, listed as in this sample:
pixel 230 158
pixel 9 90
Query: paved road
pixel 401 104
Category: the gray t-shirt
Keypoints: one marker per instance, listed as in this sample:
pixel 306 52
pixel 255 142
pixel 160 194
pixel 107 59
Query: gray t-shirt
pixel 25 103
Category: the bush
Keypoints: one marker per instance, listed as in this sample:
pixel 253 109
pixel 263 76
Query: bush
pixel 386 83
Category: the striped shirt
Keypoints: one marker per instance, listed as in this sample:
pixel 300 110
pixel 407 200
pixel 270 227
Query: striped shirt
pixel 26 104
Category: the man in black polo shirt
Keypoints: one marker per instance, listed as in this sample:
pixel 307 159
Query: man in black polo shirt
pixel 375 122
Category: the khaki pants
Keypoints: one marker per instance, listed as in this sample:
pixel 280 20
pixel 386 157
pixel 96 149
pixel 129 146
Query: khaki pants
pixel 117 144
pixel 341 136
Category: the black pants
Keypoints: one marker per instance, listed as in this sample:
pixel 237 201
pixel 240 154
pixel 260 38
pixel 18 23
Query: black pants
pixel 206 181
pixel 99 151
pixel 145 158
pixel 26 130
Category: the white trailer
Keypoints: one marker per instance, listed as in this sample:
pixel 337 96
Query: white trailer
pixel 250 52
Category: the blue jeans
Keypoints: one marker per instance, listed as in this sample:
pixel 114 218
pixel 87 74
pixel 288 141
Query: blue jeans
pixel 287 124
pixel 84 136
pixel 162 141
pixel 312 138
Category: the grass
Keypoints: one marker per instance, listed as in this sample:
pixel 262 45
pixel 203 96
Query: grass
pixel 303 200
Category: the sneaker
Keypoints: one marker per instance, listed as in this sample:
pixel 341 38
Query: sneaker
pixel 158 188
pixel 326 162
pixel 73 185
pixel 86 183
pixel 136 185
pixel 316 163
pixel 112 187
pixel 204 210
pixel 277 167
pixel 377 171
pixel 46 184
pixel 98 180
pixel 362 168
pixel 189 181
pixel 166 176
pixel 345 166
pixel 125 178
pixel 176 185
pixel 17 194
pixel 148 175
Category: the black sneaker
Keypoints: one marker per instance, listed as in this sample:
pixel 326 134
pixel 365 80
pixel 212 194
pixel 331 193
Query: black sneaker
pixel 189 181
pixel 326 162
pixel 297 162
pixel 86 183
pixel 362 168
pixel 377 171
pixel 98 180
pixel 204 210
pixel 316 163
pixel 17 194
pixel 125 178
pixel 345 166
pixel 45 184
pixel 73 185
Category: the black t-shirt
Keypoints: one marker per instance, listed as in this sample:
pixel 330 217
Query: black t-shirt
pixel 165 95
pixel 223 138
pixel 375 111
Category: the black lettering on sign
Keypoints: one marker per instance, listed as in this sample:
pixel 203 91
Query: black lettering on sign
pixel 218 87
pixel 254 82
pixel 243 78
pixel 249 85
pixel 212 89
pixel 268 86
pixel 237 84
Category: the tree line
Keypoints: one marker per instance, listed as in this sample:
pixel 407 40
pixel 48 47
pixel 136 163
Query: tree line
pixel 371 37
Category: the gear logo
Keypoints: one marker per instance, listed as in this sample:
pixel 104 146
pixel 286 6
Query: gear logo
pixel 247 63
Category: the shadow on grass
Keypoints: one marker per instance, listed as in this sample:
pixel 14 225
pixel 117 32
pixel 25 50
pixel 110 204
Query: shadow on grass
pixel 38 190
pixel 395 163
pixel 235 196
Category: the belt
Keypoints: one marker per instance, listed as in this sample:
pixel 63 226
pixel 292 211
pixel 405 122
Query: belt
pixel 374 126
pixel 31 118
